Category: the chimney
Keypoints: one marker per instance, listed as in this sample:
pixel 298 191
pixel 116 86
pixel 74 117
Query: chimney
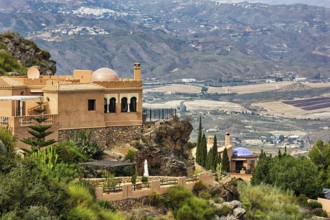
pixel 227 139
pixel 137 71
pixel 210 140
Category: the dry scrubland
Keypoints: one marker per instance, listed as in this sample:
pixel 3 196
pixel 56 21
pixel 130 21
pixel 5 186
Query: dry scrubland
pixel 264 87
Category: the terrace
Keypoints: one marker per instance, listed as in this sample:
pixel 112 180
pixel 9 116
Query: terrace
pixel 25 121
pixel 124 189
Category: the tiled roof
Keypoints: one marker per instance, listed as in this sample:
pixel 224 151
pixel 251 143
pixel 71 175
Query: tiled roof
pixel 8 83
pixel 73 87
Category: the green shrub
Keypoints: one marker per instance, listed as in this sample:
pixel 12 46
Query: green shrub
pixel 194 208
pixel 68 152
pixel 130 156
pixel 319 212
pixel 7 138
pixel 88 147
pixel 82 213
pixel 155 199
pixel 223 211
pixel 205 195
pixel 106 205
pixel 199 187
pixel 38 212
pixel 302 200
pixel 261 200
pixel 2 46
pixel 314 205
pixel 46 55
pixel 144 179
pixel 138 145
pixel 80 194
pixel 176 196
pixel 8 34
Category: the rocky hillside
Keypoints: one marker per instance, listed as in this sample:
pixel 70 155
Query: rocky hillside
pixel 18 53
pixel 166 149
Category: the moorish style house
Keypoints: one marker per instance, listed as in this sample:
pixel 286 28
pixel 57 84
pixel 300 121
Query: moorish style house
pixel 111 107
pixel 241 160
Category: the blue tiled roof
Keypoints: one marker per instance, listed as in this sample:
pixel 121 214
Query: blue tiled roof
pixel 241 151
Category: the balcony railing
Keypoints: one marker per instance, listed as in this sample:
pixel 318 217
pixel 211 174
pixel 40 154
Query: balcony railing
pixel 4 121
pixel 24 121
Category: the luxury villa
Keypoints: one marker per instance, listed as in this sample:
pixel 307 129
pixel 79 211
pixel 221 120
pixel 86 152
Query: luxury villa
pixel 241 160
pixel 111 107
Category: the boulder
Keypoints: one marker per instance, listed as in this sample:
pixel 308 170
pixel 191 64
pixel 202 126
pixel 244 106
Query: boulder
pixel 239 213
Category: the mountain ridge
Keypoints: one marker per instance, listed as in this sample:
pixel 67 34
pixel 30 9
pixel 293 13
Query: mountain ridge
pixel 220 41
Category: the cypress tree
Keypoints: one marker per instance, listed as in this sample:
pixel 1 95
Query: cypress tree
pixel 39 131
pixel 225 160
pixel 209 162
pixel 215 155
pixel 204 151
pixel 199 142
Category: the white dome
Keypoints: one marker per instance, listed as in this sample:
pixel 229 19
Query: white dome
pixel 104 74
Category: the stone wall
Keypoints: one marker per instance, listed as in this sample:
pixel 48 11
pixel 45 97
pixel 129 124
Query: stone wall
pixel 123 134
pixel 107 136
pixel 128 204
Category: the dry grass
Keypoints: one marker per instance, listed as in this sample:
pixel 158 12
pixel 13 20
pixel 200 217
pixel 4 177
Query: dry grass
pixel 280 109
pixel 175 88
pixel 265 87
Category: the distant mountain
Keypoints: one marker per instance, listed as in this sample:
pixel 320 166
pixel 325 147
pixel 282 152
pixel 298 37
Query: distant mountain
pixel 180 39
pixel 321 3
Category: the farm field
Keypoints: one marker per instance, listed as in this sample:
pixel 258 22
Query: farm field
pixel 199 105
pixel 310 104
pixel 175 88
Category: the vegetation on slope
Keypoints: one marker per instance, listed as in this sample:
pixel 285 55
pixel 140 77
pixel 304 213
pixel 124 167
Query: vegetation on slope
pixel 268 202
pixel 42 186
pixel 289 173
pixel 18 53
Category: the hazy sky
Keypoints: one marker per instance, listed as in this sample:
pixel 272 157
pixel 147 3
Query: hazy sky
pixel 324 3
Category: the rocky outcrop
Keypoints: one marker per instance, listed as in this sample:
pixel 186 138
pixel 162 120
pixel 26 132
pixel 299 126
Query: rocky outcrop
pixel 228 191
pixel 27 53
pixel 165 148
pixel 229 210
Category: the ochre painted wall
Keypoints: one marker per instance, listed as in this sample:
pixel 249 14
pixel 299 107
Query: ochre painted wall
pixel 73 110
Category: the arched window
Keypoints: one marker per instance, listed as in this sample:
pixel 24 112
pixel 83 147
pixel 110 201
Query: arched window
pixel 112 105
pixel 132 105
pixel 124 105
pixel 105 105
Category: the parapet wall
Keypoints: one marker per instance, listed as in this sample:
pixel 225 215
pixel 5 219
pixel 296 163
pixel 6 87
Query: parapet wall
pixel 128 198
pixel 107 136
pixel 123 83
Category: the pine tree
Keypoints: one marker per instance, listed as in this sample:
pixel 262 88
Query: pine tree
pixel 204 151
pixel 199 141
pixel 39 131
pixel 225 161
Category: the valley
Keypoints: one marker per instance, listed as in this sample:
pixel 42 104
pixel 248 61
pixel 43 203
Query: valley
pixel 260 116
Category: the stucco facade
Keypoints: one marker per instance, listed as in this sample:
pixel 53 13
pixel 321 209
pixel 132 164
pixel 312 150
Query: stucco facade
pixel 97 100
